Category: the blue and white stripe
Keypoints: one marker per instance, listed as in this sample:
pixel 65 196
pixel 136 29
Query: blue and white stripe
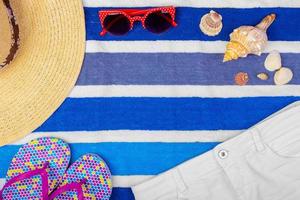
pixel 147 102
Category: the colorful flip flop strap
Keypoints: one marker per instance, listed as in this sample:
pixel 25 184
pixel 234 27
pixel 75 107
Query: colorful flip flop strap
pixel 22 177
pixel 70 187
pixel 88 176
pixel 32 156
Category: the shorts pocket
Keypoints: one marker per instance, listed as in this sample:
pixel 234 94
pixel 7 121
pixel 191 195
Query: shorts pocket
pixel 286 144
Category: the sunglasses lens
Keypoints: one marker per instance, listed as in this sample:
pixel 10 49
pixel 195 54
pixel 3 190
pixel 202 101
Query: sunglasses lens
pixel 158 22
pixel 117 24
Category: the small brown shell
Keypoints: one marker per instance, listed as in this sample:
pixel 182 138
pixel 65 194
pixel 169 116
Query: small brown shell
pixel 241 78
pixel 262 76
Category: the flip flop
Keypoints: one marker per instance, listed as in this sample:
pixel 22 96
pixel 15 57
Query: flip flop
pixel 36 169
pixel 87 179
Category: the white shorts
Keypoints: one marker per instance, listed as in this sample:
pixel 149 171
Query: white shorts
pixel 263 163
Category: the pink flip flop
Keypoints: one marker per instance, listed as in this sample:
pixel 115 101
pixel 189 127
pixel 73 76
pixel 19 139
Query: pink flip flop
pixel 36 169
pixel 87 179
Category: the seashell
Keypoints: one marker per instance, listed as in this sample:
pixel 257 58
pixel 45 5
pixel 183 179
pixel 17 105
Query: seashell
pixel 248 40
pixel 273 61
pixel 241 78
pixel 211 23
pixel 262 76
pixel 283 76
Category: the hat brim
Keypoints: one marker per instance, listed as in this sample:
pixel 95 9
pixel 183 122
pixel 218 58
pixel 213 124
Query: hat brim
pixel 47 65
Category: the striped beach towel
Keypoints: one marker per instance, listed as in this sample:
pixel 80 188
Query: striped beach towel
pixel 147 102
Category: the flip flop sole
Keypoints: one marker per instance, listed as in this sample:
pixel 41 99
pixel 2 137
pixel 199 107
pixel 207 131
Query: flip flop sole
pixel 94 170
pixel 32 156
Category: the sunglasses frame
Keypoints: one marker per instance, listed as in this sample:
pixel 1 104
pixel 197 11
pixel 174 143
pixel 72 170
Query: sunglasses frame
pixel 134 15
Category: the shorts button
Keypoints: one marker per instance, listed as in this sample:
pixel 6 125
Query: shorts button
pixel 223 154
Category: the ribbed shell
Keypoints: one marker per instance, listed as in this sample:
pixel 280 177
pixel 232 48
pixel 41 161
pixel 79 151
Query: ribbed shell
pixel 211 23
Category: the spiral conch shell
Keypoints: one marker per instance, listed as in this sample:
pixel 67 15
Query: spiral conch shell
pixel 248 40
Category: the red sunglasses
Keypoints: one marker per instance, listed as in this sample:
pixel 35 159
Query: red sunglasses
pixel 120 22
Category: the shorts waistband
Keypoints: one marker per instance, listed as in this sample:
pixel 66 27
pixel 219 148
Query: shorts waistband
pixel 265 132
pixel 251 140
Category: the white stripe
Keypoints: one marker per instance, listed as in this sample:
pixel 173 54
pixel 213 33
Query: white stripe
pixel 129 181
pixel 178 46
pixel 118 181
pixel 193 3
pixel 135 136
pixel 2 182
pixel 184 91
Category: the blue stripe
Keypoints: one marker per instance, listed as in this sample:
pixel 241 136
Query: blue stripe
pixel 93 114
pixel 175 69
pixel 127 158
pixel 188 28
pixel 122 194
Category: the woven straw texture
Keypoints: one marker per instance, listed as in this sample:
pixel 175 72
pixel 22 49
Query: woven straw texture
pixel 48 62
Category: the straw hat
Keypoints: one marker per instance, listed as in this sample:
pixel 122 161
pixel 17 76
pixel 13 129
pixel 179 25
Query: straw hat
pixel 42 46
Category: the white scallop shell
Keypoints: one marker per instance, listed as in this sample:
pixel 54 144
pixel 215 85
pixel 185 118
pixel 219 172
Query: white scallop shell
pixel 273 61
pixel 283 76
